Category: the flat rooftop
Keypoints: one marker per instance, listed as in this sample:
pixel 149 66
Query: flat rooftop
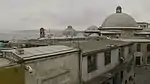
pixel 37 52
pixel 93 45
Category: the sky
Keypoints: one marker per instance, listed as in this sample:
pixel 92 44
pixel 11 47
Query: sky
pixel 58 14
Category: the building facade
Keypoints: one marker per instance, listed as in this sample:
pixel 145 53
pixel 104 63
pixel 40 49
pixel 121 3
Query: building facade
pixel 109 66
pixel 10 72
pixel 49 64
pixel 122 26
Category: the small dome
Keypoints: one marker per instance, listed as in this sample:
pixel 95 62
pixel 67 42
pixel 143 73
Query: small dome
pixel 119 20
pixel 119 9
pixel 93 27
pixel 69 32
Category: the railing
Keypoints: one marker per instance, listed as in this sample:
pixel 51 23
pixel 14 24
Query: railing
pixel 11 56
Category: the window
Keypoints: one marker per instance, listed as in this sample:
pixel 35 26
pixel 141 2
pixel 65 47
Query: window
pixel 148 47
pixel 148 59
pixel 144 26
pixel 138 61
pixel 121 75
pixel 107 56
pixel 138 47
pixel 92 62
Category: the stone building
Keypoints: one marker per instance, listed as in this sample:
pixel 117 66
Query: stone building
pixel 122 26
pixel 89 61
pixel 105 61
pixel 55 64
pixel 11 72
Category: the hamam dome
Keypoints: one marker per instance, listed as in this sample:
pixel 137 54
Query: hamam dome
pixel 69 32
pixel 119 20
pixel 93 27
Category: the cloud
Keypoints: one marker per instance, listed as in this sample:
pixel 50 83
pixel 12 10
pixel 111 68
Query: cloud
pixel 33 14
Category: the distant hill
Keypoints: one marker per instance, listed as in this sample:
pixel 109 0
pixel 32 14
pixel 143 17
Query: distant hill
pixel 53 31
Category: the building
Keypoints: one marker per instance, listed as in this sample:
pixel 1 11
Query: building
pixel 10 72
pixel 48 64
pixel 143 24
pixel 122 26
pixel 105 61
pixel 96 60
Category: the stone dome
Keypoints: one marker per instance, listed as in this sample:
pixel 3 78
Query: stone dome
pixel 93 27
pixel 69 32
pixel 119 19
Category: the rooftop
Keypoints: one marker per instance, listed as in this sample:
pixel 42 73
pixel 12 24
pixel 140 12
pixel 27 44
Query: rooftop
pixel 37 52
pixel 133 39
pixel 93 45
pixel 4 62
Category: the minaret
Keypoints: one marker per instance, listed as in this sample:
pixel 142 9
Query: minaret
pixel 119 9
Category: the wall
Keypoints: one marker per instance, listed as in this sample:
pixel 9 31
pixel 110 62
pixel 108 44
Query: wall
pixel 143 54
pixel 102 68
pixel 128 58
pixel 127 33
pixel 100 64
pixel 54 70
pixel 12 74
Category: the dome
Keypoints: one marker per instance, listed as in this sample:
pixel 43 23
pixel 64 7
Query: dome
pixel 93 27
pixel 119 20
pixel 69 32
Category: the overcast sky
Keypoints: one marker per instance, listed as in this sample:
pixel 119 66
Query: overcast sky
pixel 57 14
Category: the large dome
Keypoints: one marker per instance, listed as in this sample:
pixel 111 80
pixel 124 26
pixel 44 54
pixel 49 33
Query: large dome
pixel 119 20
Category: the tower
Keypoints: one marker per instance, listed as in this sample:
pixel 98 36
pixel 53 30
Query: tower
pixel 42 33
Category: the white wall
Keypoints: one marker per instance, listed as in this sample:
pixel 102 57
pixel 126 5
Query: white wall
pixel 102 68
pixel 100 64
pixel 51 66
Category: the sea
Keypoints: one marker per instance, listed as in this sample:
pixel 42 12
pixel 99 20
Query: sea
pixel 23 34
